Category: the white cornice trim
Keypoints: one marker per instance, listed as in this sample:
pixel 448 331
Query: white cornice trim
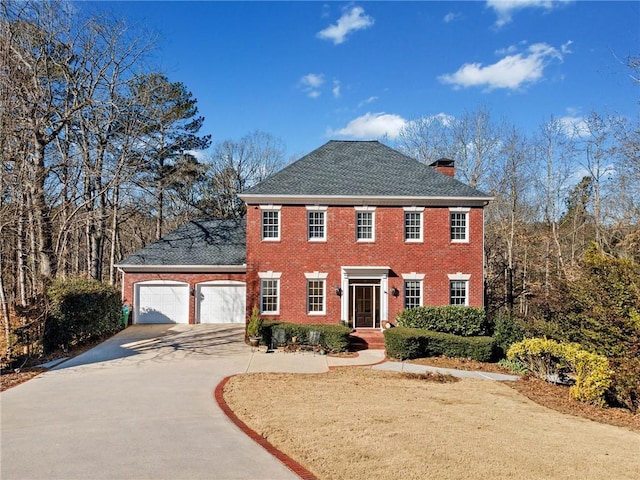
pixel 364 200
pixel 182 268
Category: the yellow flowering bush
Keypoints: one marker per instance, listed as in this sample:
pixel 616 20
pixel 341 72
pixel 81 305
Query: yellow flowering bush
pixel 546 358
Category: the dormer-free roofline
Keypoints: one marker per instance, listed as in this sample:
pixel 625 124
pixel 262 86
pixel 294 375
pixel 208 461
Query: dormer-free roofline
pixel 364 200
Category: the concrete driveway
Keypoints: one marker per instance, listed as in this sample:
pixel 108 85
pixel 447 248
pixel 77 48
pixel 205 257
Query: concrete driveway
pixel 138 406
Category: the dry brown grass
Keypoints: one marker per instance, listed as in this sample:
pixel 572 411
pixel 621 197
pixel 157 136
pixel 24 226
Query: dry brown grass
pixel 362 424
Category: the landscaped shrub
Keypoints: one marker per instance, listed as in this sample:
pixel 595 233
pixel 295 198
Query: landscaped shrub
pixel 454 319
pixel 81 310
pixel 405 343
pixel 547 358
pixel 333 338
pixel 506 332
pixel 625 383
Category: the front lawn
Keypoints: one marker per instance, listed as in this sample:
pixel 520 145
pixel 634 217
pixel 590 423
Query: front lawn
pixel 359 423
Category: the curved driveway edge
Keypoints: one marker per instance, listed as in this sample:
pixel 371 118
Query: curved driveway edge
pixel 285 459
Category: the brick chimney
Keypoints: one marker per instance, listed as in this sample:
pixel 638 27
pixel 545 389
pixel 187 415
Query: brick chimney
pixel 445 166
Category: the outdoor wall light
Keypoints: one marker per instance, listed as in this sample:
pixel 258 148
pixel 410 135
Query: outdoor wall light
pixel 394 291
pixel 192 291
pixel 338 290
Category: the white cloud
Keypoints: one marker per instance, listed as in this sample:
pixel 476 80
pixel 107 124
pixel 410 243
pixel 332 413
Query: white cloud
pixel 574 126
pixel 505 9
pixel 336 89
pixel 511 72
pixel 450 17
pixel 311 83
pixel 367 101
pixel 350 21
pixel 372 125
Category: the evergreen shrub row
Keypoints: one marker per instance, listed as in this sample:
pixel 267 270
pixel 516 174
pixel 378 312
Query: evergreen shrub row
pixel 407 343
pixel 457 320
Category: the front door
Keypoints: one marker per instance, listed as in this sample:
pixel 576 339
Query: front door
pixel 365 305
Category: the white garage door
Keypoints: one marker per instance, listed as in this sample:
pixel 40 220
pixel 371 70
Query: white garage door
pixel 222 302
pixel 162 303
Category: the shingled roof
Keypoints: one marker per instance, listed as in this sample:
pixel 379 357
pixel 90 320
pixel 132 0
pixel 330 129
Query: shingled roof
pixel 209 241
pixel 361 168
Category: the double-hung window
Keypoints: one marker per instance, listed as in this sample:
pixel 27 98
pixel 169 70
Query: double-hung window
pixel 270 223
pixel 459 289
pixel 412 289
pixel 412 293
pixel 413 224
pixel 316 293
pixel 316 224
pixel 365 224
pixel 269 292
pixel 459 224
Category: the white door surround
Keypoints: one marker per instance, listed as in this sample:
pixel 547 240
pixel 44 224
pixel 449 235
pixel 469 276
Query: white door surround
pixel 355 273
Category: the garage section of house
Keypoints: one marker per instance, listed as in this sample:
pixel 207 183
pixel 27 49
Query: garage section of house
pixel 194 274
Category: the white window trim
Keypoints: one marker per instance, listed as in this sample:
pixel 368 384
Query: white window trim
pixel 466 211
pixel 371 210
pixel 315 276
pixel 270 275
pixel 413 276
pixel 464 277
pixel 270 208
pixel 419 210
pixel 317 208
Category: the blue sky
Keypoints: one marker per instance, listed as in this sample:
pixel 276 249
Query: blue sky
pixel 308 72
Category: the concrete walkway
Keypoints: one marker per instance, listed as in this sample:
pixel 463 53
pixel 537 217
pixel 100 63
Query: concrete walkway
pixel 140 406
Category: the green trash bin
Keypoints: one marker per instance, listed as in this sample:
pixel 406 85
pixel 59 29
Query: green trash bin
pixel 126 309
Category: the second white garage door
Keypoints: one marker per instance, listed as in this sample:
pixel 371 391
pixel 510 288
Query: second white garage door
pixel 221 302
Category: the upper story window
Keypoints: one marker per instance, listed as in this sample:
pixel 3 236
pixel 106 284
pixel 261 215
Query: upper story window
pixel 270 222
pixel 459 224
pixel 317 224
pixel 459 289
pixel 365 224
pixel 269 292
pixel 413 224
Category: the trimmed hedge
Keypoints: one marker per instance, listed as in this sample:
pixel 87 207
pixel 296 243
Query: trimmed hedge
pixel 548 357
pixel 82 310
pixel 454 319
pixel 333 338
pixel 406 343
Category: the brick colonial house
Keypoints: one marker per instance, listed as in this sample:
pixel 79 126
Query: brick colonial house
pixel 353 231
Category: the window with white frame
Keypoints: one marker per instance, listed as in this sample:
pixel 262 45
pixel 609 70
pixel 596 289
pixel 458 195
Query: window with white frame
pixel 315 296
pixel 270 223
pixel 316 293
pixel 413 224
pixel 413 289
pixel 316 224
pixel 459 224
pixel 269 292
pixel 365 224
pixel 459 289
pixel 412 293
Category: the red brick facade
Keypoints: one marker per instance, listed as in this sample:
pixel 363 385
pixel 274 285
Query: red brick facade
pixel 193 279
pixel 436 257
